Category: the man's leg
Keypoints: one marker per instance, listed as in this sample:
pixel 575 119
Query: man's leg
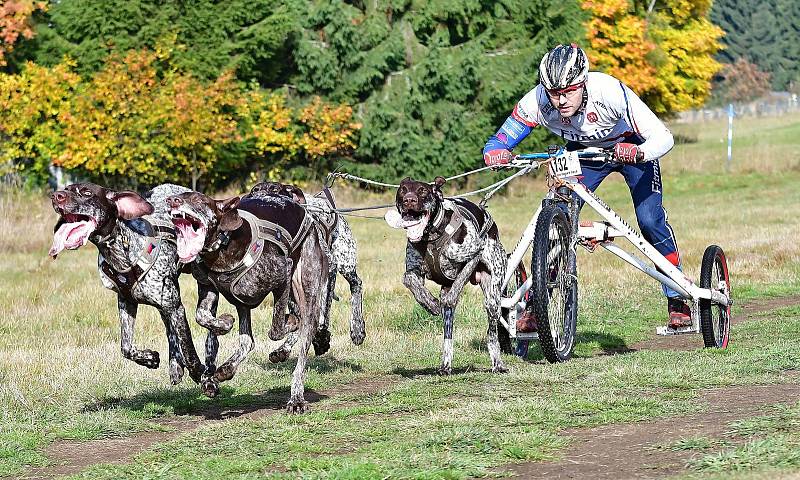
pixel 644 181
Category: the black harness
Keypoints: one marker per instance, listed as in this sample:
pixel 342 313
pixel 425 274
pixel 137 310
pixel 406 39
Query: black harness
pixel 440 234
pixel 261 231
pixel 157 232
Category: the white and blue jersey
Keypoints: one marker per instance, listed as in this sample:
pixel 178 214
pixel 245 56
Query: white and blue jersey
pixel 612 114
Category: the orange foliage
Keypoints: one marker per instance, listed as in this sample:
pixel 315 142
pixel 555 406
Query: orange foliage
pixel 15 22
pixel 618 44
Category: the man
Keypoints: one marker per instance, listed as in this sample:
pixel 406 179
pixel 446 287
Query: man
pixel 592 109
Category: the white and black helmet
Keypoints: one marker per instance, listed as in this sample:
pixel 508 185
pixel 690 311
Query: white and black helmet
pixel 563 66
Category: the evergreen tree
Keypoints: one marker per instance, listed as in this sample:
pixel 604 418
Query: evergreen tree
pixel 764 32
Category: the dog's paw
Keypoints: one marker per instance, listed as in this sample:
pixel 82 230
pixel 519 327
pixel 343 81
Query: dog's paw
pixel 175 372
pixel 148 358
pixel 279 355
pixel 224 372
pixel 222 324
pixel 445 370
pixel 357 336
pixel 499 369
pixel 297 406
pixel 210 387
pixel 321 341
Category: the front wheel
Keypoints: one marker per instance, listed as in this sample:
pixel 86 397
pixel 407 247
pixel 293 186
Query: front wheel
pixel 715 319
pixel 555 285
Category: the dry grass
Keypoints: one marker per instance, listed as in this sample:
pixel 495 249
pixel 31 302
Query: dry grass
pixel 59 331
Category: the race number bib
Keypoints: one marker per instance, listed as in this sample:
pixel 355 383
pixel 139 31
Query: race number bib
pixel 565 165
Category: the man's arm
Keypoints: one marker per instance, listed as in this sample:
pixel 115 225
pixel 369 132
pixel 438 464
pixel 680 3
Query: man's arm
pixel 657 137
pixel 516 127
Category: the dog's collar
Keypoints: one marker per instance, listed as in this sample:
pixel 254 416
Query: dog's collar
pixel 222 240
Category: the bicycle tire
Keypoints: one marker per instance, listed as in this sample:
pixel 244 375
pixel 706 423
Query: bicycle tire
pixel 555 286
pixel 715 319
pixel 508 345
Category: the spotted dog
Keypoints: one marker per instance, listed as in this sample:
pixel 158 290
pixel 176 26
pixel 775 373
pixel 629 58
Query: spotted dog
pixel 450 242
pixel 137 259
pixel 343 259
pixel 247 249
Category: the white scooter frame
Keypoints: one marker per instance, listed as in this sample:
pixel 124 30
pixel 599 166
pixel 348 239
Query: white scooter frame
pixel 562 173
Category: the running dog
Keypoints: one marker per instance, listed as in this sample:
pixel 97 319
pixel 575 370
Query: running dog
pixel 247 249
pixel 450 242
pixel 137 259
pixel 343 259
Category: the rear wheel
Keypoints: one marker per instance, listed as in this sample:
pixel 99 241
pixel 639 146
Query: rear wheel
pixel 507 344
pixel 555 286
pixel 715 319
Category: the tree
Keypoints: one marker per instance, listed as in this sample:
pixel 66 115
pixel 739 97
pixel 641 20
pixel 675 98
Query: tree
pixel 743 81
pixel 15 18
pixel 663 49
pixel 618 43
pixel 31 103
pixel 130 121
pixel 764 32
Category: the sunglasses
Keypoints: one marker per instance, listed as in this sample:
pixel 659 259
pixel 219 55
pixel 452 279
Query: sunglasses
pixel 555 93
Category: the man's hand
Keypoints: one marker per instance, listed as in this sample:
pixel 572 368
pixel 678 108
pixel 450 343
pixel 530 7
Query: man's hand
pixel 628 153
pixel 498 156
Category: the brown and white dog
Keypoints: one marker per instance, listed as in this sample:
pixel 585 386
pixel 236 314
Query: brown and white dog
pixel 343 259
pixel 247 249
pixel 450 242
pixel 137 259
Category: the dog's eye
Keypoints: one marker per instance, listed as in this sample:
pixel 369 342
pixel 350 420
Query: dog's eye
pixel 86 193
pixel 421 190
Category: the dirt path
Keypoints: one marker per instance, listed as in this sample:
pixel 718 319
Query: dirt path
pixel 625 451
pixel 70 457
pixel 613 451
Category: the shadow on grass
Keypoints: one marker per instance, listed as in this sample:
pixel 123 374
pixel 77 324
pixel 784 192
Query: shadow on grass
pixel 228 404
pixel 411 373
pixel 188 401
pixel 322 364
pixel 608 345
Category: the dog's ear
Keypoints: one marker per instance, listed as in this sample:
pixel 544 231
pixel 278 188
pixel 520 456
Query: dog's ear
pixel 437 185
pixel 129 204
pixel 230 219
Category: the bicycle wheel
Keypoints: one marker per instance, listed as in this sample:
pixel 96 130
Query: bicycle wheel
pixel 555 286
pixel 507 344
pixel 715 319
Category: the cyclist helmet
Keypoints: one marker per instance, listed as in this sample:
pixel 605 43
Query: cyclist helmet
pixel 563 66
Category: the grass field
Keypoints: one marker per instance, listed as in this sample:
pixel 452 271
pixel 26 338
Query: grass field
pixel 62 376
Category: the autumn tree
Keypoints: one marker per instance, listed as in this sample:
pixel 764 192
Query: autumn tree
pixel 618 43
pixel 15 22
pixel 130 121
pixel 31 104
pixel 663 49
pixel 742 81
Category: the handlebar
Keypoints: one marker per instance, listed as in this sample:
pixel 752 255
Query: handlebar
pixel 591 153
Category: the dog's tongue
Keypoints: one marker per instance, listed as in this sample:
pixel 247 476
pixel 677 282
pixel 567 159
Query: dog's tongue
pixel 71 236
pixel 190 242
pixel 415 228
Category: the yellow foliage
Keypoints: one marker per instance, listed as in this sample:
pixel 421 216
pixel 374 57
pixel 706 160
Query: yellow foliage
pixel 618 44
pixel 667 58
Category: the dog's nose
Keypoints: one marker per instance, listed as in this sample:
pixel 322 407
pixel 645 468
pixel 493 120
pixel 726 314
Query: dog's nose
pixel 58 197
pixel 409 201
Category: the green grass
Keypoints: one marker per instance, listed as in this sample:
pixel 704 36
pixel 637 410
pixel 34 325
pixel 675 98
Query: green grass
pixel 63 377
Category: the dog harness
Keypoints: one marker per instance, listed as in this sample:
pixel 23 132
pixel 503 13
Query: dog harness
pixel 261 231
pixel 156 232
pixel 441 233
pixel 328 218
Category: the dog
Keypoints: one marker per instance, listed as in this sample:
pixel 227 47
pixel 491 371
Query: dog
pixel 247 249
pixel 137 259
pixel 343 259
pixel 450 242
